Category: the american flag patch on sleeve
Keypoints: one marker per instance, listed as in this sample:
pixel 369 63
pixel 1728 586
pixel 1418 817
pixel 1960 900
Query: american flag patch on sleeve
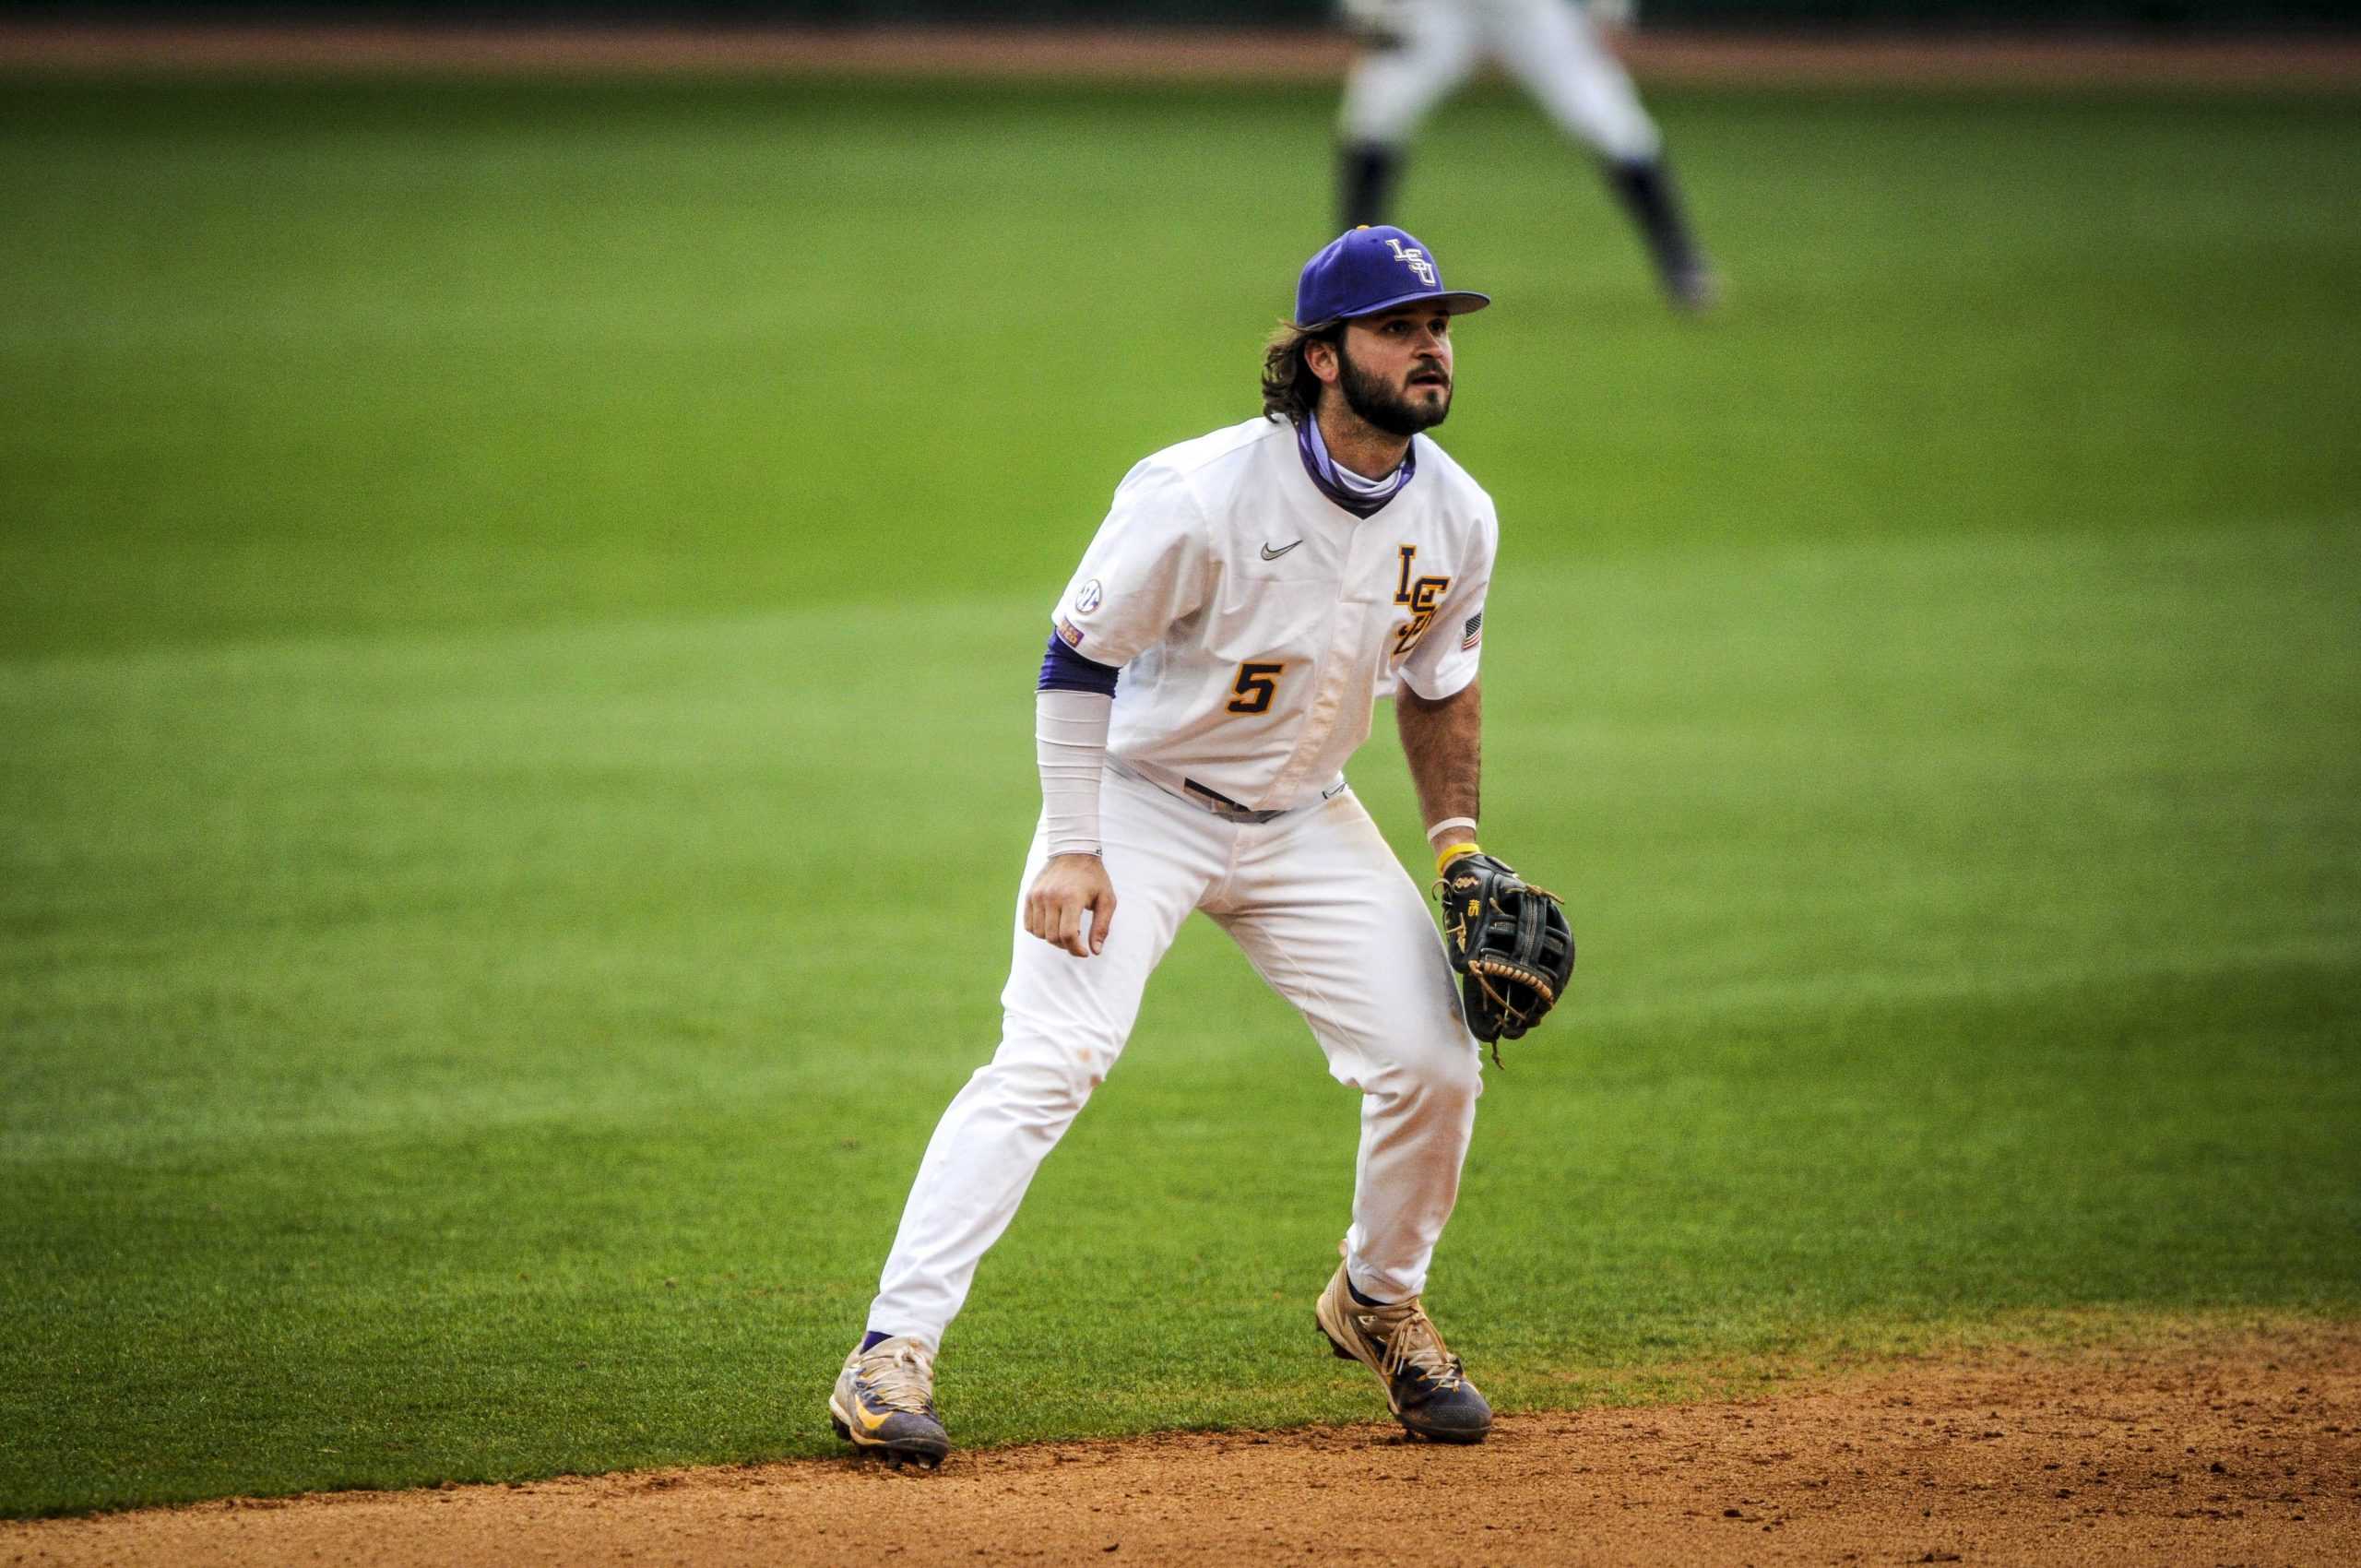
pixel 1473 633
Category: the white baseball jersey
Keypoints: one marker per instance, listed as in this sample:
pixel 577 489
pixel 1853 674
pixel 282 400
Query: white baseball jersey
pixel 1256 622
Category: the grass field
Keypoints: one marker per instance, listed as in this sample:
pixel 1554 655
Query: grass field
pixel 516 642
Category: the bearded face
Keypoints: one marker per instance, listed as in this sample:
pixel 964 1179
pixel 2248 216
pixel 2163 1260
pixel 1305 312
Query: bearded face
pixel 1414 396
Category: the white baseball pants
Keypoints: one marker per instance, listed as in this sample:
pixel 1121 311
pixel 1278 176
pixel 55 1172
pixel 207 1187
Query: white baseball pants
pixel 1548 46
pixel 1329 918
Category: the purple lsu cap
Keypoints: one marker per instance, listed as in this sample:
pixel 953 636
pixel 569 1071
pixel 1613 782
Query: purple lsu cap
pixel 1366 271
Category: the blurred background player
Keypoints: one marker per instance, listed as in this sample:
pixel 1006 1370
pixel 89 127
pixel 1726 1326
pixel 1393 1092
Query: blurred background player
pixel 1415 52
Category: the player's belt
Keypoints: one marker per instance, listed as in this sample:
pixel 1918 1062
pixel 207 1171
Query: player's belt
pixel 1222 806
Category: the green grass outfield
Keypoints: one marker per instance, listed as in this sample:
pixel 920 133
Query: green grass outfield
pixel 517 614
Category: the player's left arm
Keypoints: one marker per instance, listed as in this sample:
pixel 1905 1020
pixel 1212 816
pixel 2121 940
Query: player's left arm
pixel 1438 703
pixel 1443 740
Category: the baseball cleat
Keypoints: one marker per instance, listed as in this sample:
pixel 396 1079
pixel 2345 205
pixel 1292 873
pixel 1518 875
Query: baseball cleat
pixel 1424 1382
pixel 884 1403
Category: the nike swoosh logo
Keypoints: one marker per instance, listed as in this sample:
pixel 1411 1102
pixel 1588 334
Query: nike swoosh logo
pixel 860 1409
pixel 1271 555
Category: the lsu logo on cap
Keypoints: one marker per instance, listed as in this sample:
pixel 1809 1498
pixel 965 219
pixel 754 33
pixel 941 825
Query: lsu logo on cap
pixel 1416 260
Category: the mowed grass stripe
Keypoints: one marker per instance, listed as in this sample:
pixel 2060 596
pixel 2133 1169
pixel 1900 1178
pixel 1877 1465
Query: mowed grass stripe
pixel 1774 777
pixel 356 356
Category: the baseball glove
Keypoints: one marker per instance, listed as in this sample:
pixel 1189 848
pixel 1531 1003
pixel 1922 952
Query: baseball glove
pixel 1510 943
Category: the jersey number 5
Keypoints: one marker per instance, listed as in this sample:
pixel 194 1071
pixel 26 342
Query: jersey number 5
pixel 1257 684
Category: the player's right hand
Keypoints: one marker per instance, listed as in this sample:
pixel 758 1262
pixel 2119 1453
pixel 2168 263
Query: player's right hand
pixel 1067 886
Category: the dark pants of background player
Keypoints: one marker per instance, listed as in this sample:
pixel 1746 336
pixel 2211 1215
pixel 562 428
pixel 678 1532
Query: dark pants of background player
pixel 1646 190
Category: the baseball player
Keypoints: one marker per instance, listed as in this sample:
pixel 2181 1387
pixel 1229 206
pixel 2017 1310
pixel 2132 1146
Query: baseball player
pixel 1211 666
pixel 1415 52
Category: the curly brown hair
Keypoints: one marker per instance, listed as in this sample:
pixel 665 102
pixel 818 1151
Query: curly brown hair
pixel 1289 390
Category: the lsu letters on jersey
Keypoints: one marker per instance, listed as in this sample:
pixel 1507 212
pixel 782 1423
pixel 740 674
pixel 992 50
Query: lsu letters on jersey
pixel 1257 621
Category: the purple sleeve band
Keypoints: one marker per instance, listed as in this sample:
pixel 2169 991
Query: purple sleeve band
pixel 1062 670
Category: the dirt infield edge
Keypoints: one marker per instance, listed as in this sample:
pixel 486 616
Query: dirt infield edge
pixel 2207 1443
pixel 1148 55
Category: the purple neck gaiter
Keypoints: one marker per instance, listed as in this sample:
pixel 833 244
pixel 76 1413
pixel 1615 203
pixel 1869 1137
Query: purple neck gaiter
pixel 1323 470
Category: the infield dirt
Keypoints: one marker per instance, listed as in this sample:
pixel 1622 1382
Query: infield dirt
pixel 2209 1448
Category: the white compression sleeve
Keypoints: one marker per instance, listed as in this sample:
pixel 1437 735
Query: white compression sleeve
pixel 1070 740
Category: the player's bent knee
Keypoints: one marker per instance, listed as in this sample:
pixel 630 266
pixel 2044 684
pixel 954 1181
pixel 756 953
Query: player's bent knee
pixel 1448 1073
pixel 1457 1077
